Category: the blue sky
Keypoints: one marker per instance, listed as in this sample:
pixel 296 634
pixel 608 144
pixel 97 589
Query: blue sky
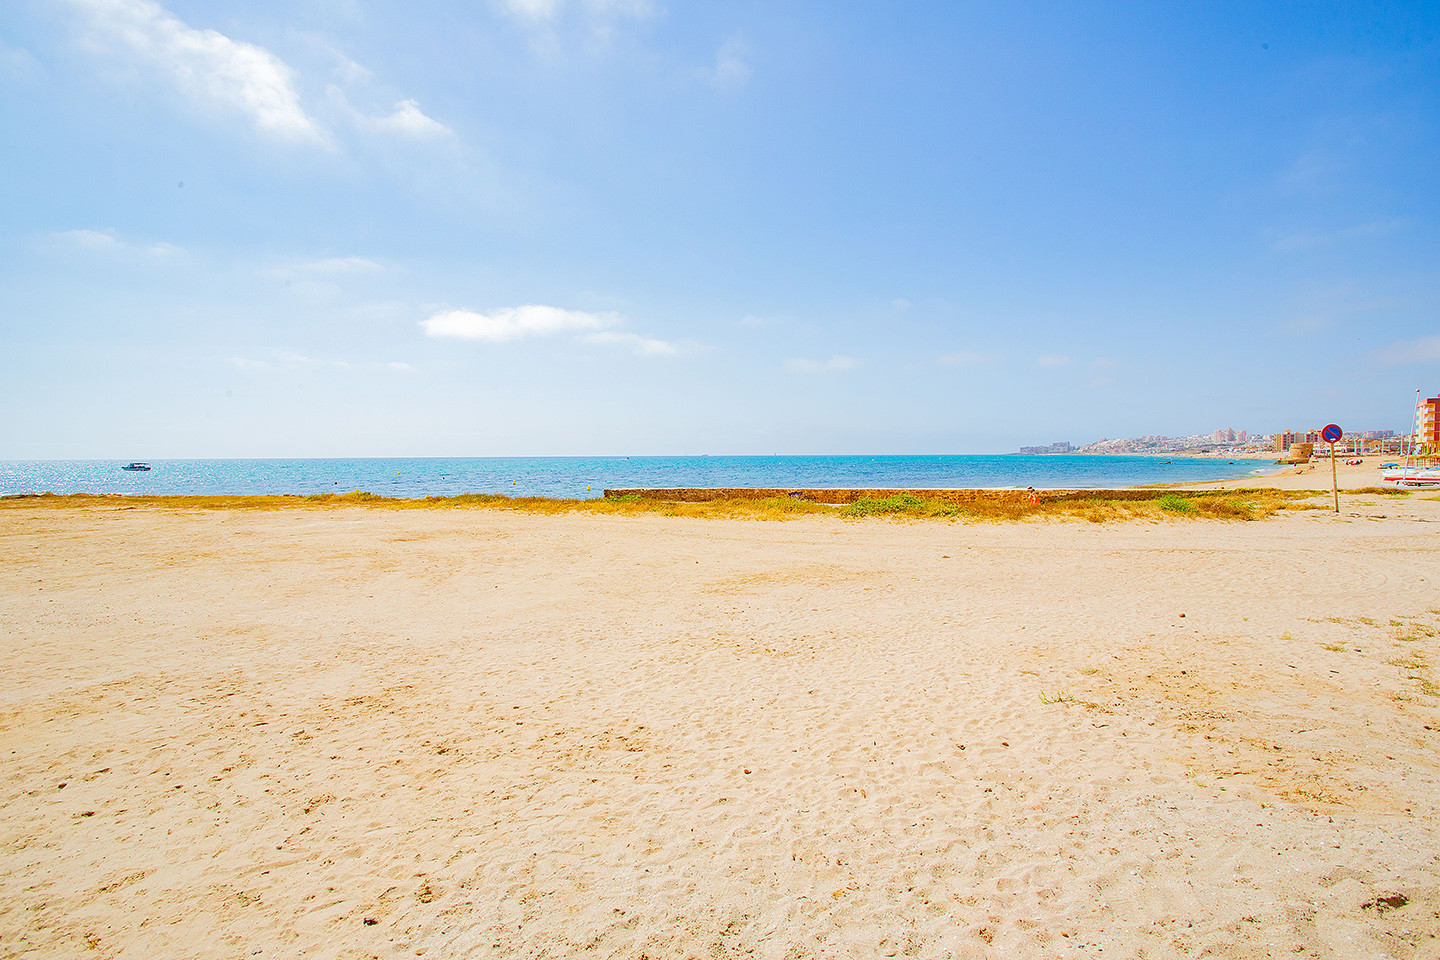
pixel 643 227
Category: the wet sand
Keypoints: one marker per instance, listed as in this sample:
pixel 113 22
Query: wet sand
pixel 367 732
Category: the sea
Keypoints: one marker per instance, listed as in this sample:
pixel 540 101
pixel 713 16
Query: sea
pixel 588 477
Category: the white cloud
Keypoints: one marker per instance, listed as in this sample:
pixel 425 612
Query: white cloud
pixel 409 121
pixel 207 66
pixel 106 242
pixel 731 68
pixel 643 346
pixel 1054 360
pixel 509 323
pixel 834 364
pixel 1423 350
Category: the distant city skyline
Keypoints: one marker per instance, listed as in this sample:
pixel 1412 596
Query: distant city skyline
pixel 593 227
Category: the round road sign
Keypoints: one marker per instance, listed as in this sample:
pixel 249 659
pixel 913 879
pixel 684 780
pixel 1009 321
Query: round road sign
pixel 1332 432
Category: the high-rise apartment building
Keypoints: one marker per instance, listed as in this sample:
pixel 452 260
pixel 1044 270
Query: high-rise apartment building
pixel 1427 425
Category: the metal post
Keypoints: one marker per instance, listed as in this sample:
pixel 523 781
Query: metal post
pixel 1334 483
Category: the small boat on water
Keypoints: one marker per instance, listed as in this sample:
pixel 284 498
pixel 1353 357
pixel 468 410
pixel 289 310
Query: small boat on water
pixel 137 465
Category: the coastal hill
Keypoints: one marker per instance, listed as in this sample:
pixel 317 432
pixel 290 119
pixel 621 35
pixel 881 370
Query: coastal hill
pixel 1227 438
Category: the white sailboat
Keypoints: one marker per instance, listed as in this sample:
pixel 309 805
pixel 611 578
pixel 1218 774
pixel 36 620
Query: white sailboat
pixel 1417 476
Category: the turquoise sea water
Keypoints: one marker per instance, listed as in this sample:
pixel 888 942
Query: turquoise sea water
pixel 581 477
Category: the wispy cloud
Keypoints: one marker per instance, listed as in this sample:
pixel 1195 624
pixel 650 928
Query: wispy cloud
pixel 282 361
pixel 634 9
pixel 835 364
pixel 531 9
pixel 960 358
pixel 1098 382
pixel 1422 350
pixel 732 65
pixel 107 242
pixel 408 121
pixel 1308 323
pixel 19 64
pixel 544 11
pixel 1326 308
pixel 286 361
pixel 1291 242
pixel 328 266
pixel 509 323
pixel 642 346
pixel 206 66
pixel 1316 172
pixel 1054 360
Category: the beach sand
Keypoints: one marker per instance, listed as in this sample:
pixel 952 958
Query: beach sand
pixel 1314 475
pixel 365 732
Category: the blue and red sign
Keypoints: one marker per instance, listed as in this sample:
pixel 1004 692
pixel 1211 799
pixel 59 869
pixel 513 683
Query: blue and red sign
pixel 1332 432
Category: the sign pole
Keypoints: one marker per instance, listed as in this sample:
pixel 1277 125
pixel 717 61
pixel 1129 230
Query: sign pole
pixel 1330 434
pixel 1334 483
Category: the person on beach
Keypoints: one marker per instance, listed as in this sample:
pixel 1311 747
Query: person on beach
pixel 1033 496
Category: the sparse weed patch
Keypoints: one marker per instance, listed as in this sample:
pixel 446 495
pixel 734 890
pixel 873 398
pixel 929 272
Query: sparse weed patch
pixel 970 506
pixel 906 504
pixel 1174 503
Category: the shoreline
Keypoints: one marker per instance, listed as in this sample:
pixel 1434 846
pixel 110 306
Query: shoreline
pixel 585 477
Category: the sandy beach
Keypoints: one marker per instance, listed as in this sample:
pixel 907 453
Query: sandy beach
pixel 1314 475
pixel 352 731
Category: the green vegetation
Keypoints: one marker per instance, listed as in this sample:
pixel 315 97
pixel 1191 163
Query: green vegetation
pixel 901 503
pixel 968 506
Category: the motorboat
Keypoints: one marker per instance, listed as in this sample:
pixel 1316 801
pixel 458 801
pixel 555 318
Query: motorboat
pixel 137 465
